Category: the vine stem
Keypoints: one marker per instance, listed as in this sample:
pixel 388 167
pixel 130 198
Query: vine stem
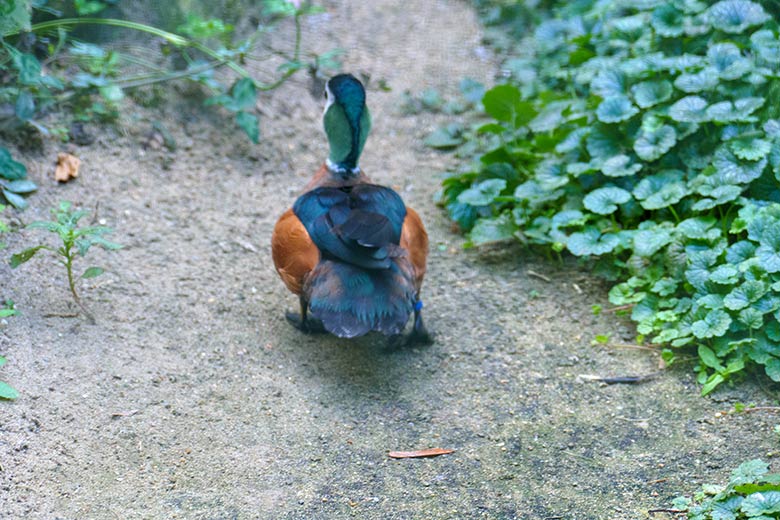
pixel 72 283
pixel 177 40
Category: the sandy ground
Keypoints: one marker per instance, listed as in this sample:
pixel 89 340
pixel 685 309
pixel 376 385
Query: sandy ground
pixel 193 398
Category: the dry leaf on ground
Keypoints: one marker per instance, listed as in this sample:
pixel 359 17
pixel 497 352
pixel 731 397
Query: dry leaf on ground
pixel 67 167
pixel 432 452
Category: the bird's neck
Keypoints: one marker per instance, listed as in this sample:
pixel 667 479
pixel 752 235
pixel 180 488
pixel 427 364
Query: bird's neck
pixel 346 126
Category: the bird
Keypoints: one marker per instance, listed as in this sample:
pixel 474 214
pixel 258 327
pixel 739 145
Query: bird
pixel 350 249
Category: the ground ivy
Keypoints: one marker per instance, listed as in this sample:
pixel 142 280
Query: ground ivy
pixel 646 135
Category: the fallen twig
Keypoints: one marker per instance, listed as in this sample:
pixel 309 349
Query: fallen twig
pixel 672 511
pixel 432 452
pixel 619 379
pixel 123 414
pixel 538 275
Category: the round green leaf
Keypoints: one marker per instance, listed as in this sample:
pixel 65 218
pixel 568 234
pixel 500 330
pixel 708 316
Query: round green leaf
pixel 742 296
pixel 750 148
pixel 620 166
pixel 483 193
pixel 697 228
pixel 752 318
pixel 601 143
pixel 591 242
pixel 501 102
pixel 653 144
pixel 727 60
pixel 493 230
pixel 647 242
pixel 761 503
pixel 735 171
pixel 650 93
pixel 10 169
pixel 692 82
pixel 690 109
pixel 608 83
pixel 739 110
pixel 768 253
pixel 605 200
pixel 725 275
pixel 766 45
pixel 714 324
pixel 734 16
pixel 616 109
pixel 667 21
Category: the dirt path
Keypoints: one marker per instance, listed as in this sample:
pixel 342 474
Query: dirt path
pixel 192 398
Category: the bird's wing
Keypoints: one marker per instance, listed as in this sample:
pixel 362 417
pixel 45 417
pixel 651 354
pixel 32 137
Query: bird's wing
pixel 293 250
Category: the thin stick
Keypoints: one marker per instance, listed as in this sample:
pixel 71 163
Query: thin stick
pixel 538 275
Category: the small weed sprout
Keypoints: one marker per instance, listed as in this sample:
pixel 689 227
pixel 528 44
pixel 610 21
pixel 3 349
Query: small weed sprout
pixel 7 391
pixel 75 241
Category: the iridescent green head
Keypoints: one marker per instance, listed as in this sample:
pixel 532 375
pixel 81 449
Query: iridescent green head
pixel 347 123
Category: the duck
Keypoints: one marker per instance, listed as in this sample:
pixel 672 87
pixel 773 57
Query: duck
pixel 351 250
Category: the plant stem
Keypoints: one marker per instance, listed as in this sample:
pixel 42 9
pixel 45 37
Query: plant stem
pixel 72 283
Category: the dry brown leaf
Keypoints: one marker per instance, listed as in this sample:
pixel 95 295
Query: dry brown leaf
pixel 67 167
pixel 432 452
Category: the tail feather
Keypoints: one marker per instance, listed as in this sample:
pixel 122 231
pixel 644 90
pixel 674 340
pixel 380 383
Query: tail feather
pixel 352 301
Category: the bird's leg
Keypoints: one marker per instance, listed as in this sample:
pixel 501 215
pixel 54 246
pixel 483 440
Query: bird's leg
pixel 301 321
pixel 419 333
pixel 418 336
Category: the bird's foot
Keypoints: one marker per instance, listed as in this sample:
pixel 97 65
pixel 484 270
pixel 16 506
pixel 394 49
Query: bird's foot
pixel 418 336
pixel 306 325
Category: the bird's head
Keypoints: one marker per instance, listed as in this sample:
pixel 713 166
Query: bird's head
pixel 347 123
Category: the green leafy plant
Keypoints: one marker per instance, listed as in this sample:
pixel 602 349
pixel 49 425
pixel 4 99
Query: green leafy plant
pixel 645 136
pixel 13 181
pixel 752 493
pixel 76 241
pixel 30 85
pixel 6 391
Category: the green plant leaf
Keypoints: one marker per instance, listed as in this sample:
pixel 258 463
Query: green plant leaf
pixel 483 193
pixel 7 391
pixel 650 93
pixel 29 68
pixel 750 148
pixel 761 503
pixel 15 200
pixel 22 186
pixel 725 274
pixel 767 45
pixel 9 168
pixel 647 242
pixel 751 318
pixel 768 253
pixel 591 241
pixel 250 124
pixel 708 357
pixel 744 295
pixel 20 258
pixel 620 166
pixel 667 21
pixel 443 138
pixel 735 171
pixel 701 81
pixel 502 102
pixel 653 144
pixel 712 383
pixel 493 230
pixel 714 324
pixel 690 109
pixel 734 16
pixel 25 106
pixel 93 272
pixel 739 110
pixel 605 200
pixel 727 61
pixel 616 109
pixel 609 83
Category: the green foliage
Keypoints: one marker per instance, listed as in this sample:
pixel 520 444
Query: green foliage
pixel 13 181
pixel 6 391
pixel 76 241
pixel 646 135
pixel 30 81
pixel 752 492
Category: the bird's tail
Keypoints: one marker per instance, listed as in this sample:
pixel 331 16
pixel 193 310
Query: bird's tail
pixel 351 300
